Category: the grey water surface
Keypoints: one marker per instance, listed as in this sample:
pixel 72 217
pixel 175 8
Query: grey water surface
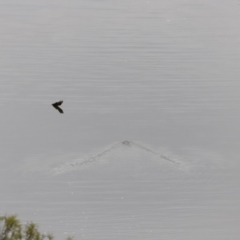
pixel 148 145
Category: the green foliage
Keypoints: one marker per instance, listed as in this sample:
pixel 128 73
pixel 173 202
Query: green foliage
pixel 12 229
pixel 69 238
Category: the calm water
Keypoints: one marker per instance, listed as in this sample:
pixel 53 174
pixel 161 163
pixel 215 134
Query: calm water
pixel 162 74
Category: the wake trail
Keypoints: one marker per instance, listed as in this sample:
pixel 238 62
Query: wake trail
pixel 94 158
pixel 155 153
pixel 71 165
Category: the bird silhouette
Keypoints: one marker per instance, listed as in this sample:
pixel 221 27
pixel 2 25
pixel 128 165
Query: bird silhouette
pixel 57 104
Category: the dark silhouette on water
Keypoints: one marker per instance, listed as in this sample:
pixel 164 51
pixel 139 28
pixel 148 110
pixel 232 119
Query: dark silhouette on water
pixel 57 104
pixel 127 143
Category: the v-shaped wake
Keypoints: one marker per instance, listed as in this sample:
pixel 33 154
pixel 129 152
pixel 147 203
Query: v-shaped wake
pixel 70 166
